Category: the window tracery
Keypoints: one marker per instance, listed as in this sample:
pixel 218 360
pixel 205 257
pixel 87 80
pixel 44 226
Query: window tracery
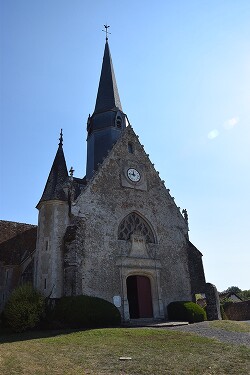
pixel 134 223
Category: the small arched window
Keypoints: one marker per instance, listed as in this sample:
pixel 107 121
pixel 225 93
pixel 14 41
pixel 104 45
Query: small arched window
pixel 119 121
pixel 27 275
pixel 130 148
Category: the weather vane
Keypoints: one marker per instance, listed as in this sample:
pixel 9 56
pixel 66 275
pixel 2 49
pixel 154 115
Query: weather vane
pixel 106 31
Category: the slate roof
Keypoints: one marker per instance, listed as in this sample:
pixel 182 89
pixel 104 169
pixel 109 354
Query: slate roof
pixel 9 229
pixel 197 276
pixel 228 295
pixel 107 96
pixel 194 248
pixel 79 184
pixel 18 248
pixel 57 177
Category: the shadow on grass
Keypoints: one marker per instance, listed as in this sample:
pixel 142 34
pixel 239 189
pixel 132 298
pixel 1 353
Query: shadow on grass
pixel 7 336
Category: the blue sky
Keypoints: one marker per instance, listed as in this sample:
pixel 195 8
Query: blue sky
pixel 183 73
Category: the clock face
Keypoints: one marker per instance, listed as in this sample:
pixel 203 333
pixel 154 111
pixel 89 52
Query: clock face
pixel 133 175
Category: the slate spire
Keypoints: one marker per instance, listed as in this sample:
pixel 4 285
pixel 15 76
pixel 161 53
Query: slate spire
pixel 108 121
pixel 57 177
pixel 107 96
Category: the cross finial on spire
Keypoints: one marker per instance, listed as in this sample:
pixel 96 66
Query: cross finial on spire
pixel 71 172
pixel 106 31
pixel 60 139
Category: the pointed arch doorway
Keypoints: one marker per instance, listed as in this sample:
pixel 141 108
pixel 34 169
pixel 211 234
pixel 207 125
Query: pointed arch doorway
pixel 139 297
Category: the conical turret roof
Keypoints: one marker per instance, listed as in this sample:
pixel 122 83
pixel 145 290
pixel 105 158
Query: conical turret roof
pixel 107 96
pixel 57 177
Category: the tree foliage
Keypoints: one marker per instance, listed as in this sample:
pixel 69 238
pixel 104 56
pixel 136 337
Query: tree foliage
pixel 232 289
pixel 243 294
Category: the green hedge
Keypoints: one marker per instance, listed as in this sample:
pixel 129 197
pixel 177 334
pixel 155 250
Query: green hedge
pixel 24 308
pixel 186 311
pixel 85 311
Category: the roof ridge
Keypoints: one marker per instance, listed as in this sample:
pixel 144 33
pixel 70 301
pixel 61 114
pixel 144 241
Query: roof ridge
pixel 16 222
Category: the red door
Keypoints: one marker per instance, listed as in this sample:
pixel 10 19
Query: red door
pixel 144 297
pixel 139 297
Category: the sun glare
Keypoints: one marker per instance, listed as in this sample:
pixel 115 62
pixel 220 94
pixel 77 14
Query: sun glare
pixel 213 134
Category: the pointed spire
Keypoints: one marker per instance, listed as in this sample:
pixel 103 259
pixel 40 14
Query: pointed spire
pixel 107 96
pixel 108 121
pixel 57 176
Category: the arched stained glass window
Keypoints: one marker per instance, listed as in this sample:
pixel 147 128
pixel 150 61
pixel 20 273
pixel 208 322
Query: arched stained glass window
pixel 135 223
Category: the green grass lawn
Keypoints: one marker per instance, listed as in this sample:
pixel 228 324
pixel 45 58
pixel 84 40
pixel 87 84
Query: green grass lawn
pixel 230 325
pixel 97 351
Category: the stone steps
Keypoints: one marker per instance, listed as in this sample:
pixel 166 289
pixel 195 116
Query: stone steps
pixel 152 323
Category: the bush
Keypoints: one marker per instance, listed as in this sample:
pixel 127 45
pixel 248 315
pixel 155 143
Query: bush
pixel 24 308
pixel 186 311
pixel 85 311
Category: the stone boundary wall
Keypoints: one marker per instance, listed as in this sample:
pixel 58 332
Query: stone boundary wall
pixel 213 302
pixel 237 310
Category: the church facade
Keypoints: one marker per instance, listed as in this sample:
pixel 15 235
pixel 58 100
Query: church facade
pixel 117 233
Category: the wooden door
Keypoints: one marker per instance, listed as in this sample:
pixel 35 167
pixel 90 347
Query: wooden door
pixel 144 297
pixel 139 297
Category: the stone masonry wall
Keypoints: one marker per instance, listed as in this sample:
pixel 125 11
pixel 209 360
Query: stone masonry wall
pixel 73 257
pixel 53 221
pixel 237 310
pixel 196 270
pixel 104 204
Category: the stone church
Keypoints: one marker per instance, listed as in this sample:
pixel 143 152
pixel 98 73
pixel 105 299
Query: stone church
pixel 115 233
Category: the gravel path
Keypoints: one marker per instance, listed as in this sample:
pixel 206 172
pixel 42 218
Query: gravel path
pixel 203 329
